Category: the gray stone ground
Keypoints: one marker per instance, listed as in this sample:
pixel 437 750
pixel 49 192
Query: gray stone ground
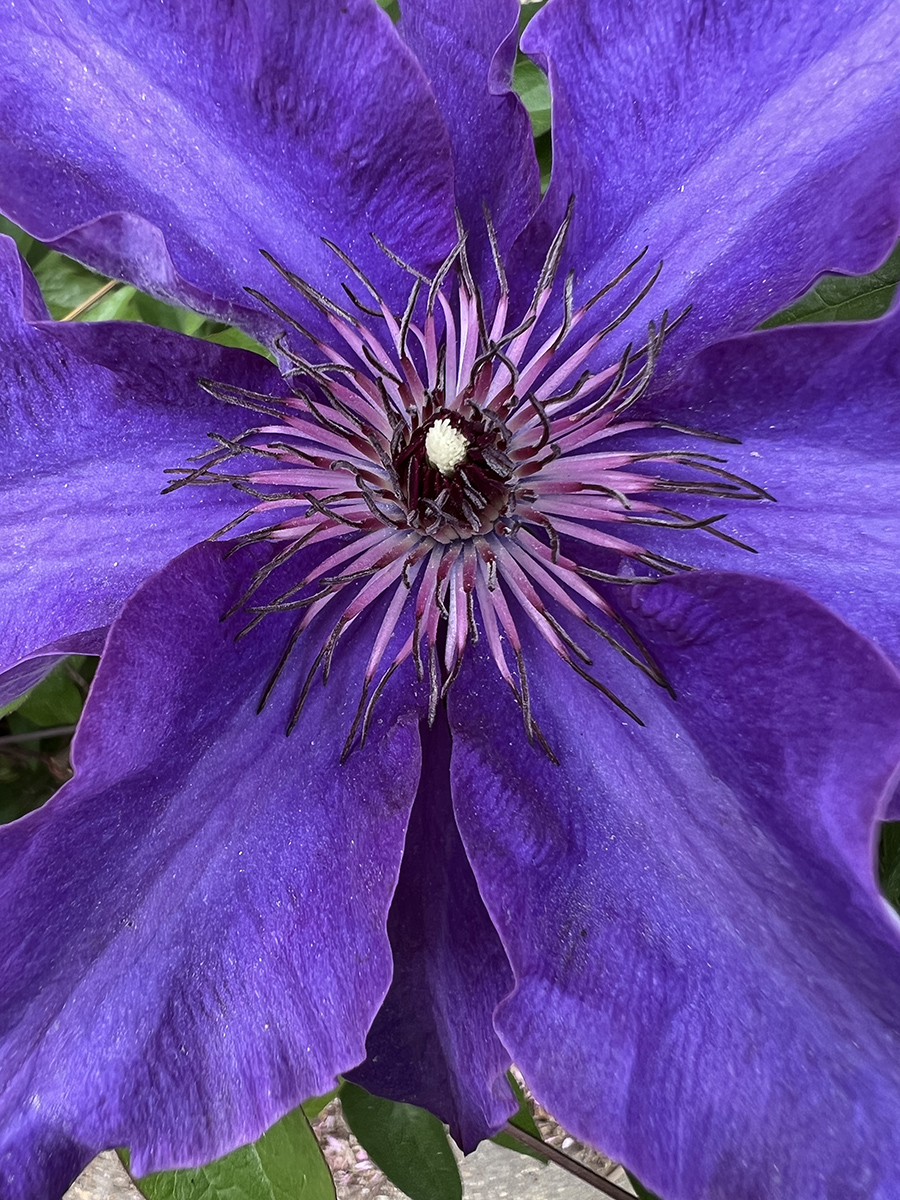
pixel 491 1173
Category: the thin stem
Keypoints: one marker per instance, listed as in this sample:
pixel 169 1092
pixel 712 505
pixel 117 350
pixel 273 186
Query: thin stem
pixel 35 735
pixel 569 1164
pixel 91 300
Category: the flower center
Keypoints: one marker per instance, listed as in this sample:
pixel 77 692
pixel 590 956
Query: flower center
pixel 479 476
pixel 454 474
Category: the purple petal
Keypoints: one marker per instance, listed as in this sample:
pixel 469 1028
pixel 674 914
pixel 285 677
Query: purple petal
pixel 206 132
pixel 467 50
pixel 28 672
pixel 94 416
pixel 816 409
pixel 17 283
pixel 708 982
pixel 750 146
pixel 194 927
pixel 433 1042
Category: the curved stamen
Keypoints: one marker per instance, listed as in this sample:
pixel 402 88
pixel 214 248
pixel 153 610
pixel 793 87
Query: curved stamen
pixel 460 477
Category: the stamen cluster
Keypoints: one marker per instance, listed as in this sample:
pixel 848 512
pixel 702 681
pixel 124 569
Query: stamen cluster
pixel 455 467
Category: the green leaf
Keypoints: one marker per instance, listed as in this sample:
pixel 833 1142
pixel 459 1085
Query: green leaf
pixel 527 10
pixel 56 700
pixel 522 1120
pixel 230 335
pixel 34 760
pixel 14 705
pixel 285 1164
pixel 544 149
pixel 66 284
pixel 407 1143
pixel 392 8
pixel 26 782
pixel 531 84
pixel 156 312
pixel 844 297
pixel 114 305
pixel 889 862
pixel 24 242
pixel 642 1192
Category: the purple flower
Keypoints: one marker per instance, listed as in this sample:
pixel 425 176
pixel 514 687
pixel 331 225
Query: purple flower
pixel 671 927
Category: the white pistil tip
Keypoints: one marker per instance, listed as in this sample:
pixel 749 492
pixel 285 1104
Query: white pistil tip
pixel 445 446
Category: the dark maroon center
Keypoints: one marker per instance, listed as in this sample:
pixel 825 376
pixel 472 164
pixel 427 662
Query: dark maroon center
pixel 469 498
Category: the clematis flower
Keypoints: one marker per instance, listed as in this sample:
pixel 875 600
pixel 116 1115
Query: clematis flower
pixel 608 717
